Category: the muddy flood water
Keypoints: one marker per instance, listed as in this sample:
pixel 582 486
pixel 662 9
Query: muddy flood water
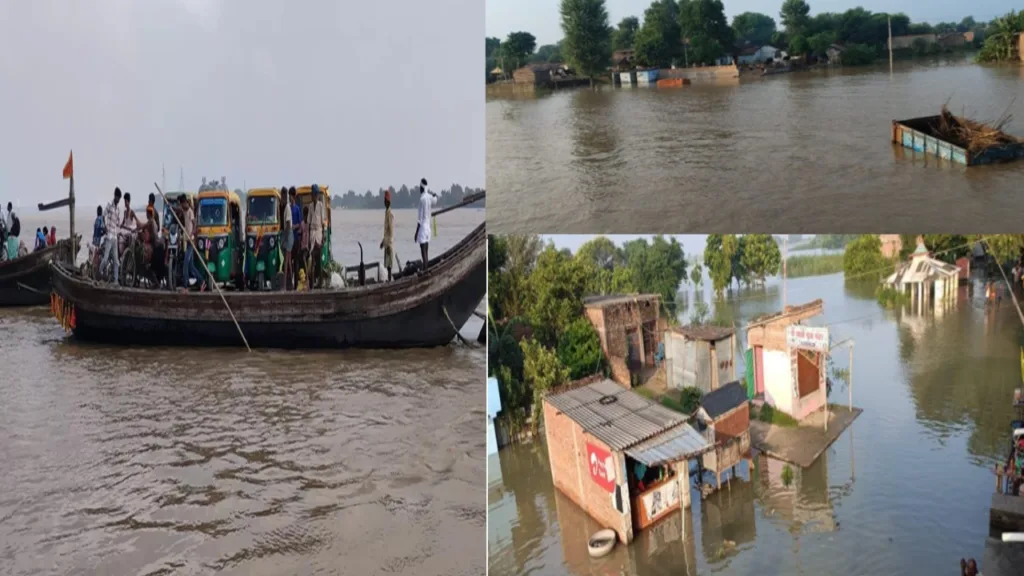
pixel 904 490
pixel 193 461
pixel 811 149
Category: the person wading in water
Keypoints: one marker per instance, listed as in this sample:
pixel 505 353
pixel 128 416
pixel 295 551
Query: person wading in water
pixel 427 200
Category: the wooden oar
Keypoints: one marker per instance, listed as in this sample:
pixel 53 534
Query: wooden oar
pixel 209 274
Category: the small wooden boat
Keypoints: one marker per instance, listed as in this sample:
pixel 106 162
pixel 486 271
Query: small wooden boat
pixel 415 310
pixel 25 281
pixel 931 135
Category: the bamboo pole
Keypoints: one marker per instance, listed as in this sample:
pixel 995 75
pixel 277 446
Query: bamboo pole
pixel 465 202
pixel 181 227
pixel 849 384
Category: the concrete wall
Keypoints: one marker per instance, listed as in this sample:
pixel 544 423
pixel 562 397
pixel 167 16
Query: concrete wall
pixel 778 380
pixel 900 42
pixel 703 73
pixel 570 473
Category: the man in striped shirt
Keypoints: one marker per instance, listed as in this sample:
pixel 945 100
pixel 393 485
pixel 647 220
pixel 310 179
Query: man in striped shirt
pixel 112 223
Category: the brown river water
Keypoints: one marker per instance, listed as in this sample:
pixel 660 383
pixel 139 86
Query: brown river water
pixel 194 461
pixel 905 490
pixel 811 150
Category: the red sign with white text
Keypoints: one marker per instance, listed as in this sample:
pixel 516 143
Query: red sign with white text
pixel 602 467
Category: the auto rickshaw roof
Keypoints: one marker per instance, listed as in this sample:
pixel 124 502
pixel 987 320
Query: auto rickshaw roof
pixel 264 192
pixel 305 190
pixel 229 195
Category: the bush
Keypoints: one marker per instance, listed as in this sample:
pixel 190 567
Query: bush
pixel 858 55
pixel 579 349
pixel 690 399
pixel 766 414
pixel 863 258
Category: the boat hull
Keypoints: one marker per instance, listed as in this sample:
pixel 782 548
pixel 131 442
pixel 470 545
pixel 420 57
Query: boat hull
pixel 918 134
pixel 25 281
pixel 412 312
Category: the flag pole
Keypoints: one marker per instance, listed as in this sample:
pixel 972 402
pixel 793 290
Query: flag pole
pixel 71 208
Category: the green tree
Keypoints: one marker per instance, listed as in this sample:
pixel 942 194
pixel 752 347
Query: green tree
pixel 919 46
pixel 602 252
pixel 658 42
pixel 548 53
pixel 999 38
pixel 516 50
pixel 658 267
pixel 794 16
pixel 947 247
pixel 966 24
pixel 1003 247
pixel 718 253
pixel 587 43
pixel 761 256
pixel 542 372
pixel 908 243
pixel 579 349
pixel 704 24
pixel 754 27
pixel 739 267
pixel 863 258
pixel 798 45
pixel 557 285
pixel 858 55
pixel 625 33
pixel 820 42
pixel 697 275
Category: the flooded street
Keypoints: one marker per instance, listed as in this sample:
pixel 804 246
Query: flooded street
pixel 905 490
pixel 734 156
pixel 192 461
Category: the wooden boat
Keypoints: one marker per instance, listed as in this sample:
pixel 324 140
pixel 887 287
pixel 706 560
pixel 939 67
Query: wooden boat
pixel 924 135
pixel 412 311
pixel 25 281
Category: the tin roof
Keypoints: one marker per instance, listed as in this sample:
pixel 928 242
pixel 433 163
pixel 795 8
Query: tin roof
pixel 618 417
pixel 724 398
pixel 707 333
pixel 613 299
pixel 676 444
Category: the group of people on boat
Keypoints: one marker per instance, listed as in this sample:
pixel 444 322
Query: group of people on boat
pixel 11 245
pixel 302 237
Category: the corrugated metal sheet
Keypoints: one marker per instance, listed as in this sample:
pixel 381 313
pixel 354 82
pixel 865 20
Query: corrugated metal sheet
pixel 723 353
pixel 618 417
pixel 689 363
pixel 702 365
pixel 677 444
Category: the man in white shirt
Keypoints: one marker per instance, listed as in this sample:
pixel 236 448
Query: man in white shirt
pixel 317 215
pixel 112 223
pixel 427 201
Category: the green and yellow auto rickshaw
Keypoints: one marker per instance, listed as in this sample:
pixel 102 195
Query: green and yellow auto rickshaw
pixel 218 235
pixel 304 196
pixel 262 236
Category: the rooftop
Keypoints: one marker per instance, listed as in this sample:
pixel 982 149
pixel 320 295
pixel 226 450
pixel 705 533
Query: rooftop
pixel 723 399
pixel 706 333
pixel 922 268
pixel 792 313
pixel 618 417
pixel 617 299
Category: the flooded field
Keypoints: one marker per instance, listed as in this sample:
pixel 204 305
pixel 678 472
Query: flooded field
pixel 194 461
pixel 731 157
pixel 904 490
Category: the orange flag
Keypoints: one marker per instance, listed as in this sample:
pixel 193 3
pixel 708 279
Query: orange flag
pixel 69 168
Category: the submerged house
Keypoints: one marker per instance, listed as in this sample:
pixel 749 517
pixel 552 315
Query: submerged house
pixel 925 280
pixel 628 329
pixel 700 357
pixel 786 360
pixel 620 457
pixel 724 418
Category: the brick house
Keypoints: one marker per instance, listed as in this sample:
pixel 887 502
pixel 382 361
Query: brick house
pixel 620 457
pixel 724 418
pixel 628 327
pixel 789 360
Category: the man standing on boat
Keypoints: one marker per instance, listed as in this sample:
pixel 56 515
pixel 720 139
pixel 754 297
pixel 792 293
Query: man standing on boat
pixel 287 237
pixel 296 236
pixel 111 224
pixel 188 220
pixel 316 232
pixel 388 243
pixel 427 200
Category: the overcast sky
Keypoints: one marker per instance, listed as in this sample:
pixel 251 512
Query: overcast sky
pixel 540 17
pixel 354 94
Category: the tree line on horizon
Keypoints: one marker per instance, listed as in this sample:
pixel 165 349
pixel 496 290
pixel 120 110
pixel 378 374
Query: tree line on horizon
pixel 687 32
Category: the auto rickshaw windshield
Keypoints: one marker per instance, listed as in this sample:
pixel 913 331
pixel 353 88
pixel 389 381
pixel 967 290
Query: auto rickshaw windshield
pixel 261 210
pixel 213 212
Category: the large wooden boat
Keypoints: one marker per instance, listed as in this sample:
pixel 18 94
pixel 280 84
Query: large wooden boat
pixel 25 281
pixel 414 310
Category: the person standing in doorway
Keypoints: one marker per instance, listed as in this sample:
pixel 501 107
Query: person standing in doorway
pixel 427 200
pixel 287 237
pixel 317 215
pixel 52 239
pixel 388 243
pixel 111 224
